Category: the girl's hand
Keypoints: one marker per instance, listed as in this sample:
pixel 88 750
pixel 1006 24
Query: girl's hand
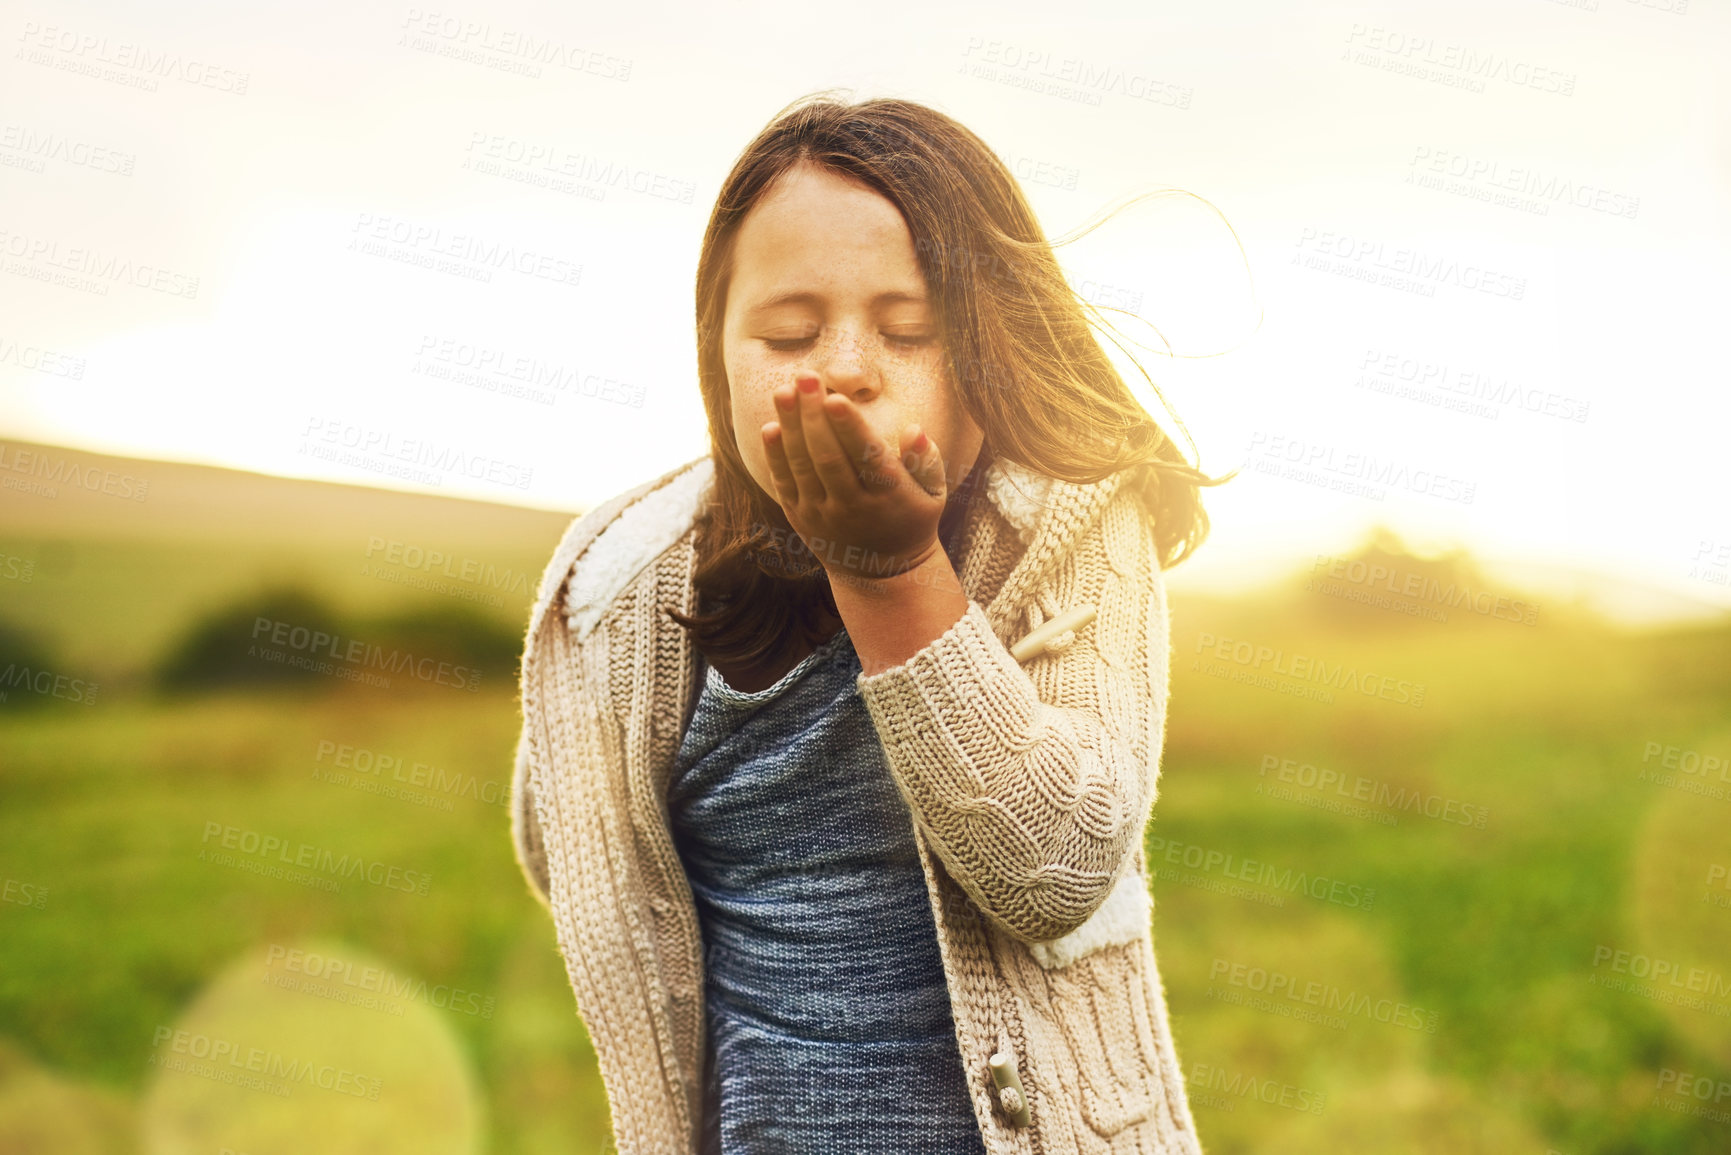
pixel 865 509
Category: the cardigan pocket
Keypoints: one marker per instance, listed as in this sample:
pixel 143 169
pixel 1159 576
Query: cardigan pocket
pixel 1098 1001
pixel 1100 1004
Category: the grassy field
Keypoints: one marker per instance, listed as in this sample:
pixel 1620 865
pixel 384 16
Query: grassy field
pixel 1484 911
pixel 1501 939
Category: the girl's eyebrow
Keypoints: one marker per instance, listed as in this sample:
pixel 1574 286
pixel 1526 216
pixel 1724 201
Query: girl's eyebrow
pixel 805 297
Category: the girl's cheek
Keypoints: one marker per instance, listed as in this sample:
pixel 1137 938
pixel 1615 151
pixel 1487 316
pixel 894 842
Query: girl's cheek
pixel 752 390
pixel 925 401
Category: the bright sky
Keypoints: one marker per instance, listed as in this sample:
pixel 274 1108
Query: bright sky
pixel 1486 244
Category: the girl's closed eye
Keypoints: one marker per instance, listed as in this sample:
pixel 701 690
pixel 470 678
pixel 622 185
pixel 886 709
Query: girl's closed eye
pixel 904 341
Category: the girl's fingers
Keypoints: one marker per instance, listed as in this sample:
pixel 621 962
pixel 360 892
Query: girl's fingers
pixel 786 489
pixel 809 484
pixel 828 458
pixel 921 457
pixel 864 449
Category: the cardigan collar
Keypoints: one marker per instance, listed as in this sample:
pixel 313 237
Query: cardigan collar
pixel 1047 513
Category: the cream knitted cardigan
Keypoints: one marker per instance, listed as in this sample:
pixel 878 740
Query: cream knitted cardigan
pixel 1030 784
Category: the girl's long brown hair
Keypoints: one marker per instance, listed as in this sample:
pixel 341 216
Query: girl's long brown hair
pixel 1023 361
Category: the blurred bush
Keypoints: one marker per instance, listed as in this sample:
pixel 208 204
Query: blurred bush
pixel 30 674
pixel 226 647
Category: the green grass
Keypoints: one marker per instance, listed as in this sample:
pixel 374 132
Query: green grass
pixel 107 809
pixel 1493 930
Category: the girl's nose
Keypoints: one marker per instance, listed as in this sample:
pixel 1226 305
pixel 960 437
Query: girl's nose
pixel 845 366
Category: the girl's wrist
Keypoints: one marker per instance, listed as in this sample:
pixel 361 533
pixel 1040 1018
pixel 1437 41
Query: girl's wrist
pixel 892 618
pixel 933 570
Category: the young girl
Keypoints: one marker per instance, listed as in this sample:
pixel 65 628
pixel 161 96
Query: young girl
pixel 839 741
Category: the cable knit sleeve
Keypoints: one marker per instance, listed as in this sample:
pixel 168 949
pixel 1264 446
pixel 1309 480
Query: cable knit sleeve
pixel 1032 783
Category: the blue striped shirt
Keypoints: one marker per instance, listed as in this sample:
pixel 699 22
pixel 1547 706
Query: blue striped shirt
pixel 829 1016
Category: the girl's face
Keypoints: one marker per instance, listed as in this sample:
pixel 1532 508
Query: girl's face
pixel 825 280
